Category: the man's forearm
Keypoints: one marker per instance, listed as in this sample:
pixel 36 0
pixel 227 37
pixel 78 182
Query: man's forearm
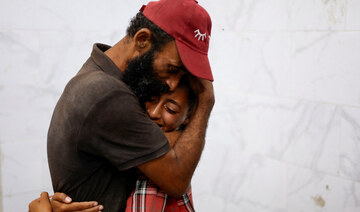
pixel 189 146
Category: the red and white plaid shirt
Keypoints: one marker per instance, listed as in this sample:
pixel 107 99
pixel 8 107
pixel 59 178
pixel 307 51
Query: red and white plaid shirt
pixel 148 197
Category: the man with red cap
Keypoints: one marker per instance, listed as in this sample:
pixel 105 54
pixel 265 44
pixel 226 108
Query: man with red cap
pixel 99 133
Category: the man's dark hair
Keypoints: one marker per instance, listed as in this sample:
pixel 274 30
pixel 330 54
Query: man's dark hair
pixel 159 36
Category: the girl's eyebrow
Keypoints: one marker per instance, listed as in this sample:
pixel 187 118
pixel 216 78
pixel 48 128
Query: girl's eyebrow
pixel 174 102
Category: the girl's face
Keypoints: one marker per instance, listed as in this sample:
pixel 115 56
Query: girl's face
pixel 169 110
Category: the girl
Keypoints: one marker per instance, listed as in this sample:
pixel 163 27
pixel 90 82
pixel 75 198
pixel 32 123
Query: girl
pixel 171 112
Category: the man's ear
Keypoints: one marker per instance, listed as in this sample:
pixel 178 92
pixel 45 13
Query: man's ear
pixel 142 39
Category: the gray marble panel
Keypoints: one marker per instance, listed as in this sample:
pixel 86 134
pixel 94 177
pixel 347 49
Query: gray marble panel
pixel 310 190
pixel 352 15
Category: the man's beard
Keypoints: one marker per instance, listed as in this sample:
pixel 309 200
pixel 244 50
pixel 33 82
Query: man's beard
pixel 139 75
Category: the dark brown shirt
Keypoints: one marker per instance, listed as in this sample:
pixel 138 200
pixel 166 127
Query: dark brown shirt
pixel 98 134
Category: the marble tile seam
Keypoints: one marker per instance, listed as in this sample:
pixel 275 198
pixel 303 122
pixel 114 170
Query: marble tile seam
pixel 289 30
pixel 297 165
pixel 47 189
pixel 337 176
pixel 283 97
pixel 41 30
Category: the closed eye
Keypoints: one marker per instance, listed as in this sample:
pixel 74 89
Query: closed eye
pixel 176 69
pixel 173 70
pixel 170 110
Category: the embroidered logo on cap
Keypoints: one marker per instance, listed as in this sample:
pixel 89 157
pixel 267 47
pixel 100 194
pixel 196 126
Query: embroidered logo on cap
pixel 199 35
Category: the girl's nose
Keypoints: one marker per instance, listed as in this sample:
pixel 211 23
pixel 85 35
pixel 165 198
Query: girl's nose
pixel 154 111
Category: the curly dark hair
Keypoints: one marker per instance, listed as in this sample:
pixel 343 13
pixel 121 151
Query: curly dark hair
pixel 192 100
pixel 159 37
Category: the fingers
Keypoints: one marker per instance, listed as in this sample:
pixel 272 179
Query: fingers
pixel 41 204
pixel 200 85
pixel 44 196
pixel 32 203
pixel 195 84
pixel 36 200
pixel 62 202
pixel 76 206
pixel 80 206
pixel 94 209
pixel 61 197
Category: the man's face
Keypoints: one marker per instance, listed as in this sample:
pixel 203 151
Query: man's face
pixel 168 66
pixel 154 72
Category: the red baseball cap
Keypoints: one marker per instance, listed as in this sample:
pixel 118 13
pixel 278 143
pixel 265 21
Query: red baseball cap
pixel 190 25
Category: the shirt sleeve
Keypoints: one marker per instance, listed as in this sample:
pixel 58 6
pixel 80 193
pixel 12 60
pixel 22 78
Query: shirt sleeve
pixel 116 128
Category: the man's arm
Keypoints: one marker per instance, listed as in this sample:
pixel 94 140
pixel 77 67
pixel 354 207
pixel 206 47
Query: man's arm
pixel 173 171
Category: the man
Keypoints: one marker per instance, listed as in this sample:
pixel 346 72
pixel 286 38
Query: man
pixel 99 132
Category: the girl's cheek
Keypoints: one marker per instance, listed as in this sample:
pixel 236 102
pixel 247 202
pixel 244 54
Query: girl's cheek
pixel 170 122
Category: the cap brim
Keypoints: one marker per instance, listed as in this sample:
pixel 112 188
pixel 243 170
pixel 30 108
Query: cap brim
pixel 196 63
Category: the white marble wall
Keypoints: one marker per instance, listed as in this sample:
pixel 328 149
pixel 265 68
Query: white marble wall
pixel 284 134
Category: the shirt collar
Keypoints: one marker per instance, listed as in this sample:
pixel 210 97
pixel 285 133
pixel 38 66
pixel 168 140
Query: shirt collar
pixel 104 62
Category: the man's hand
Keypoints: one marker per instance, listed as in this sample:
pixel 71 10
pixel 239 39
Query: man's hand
pixel 204 90
pixel 41 204
pixel 61 202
